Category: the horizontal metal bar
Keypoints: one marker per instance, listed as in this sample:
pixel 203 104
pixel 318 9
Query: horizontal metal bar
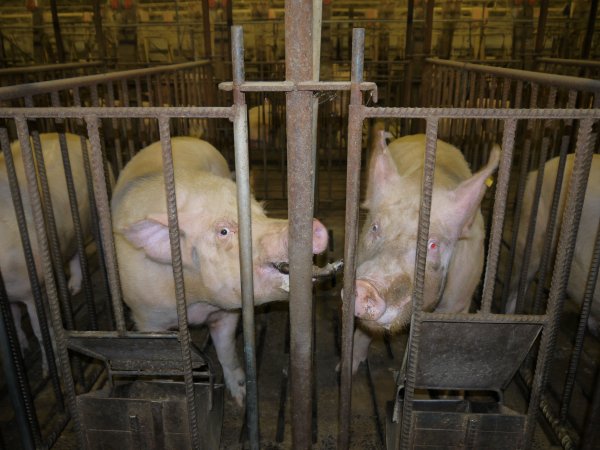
pixel 484 318
pixel 481 113
pixel 570 62
pixel 116 334
pixel 42 87
pixel 287 86
pixel 564 81
pixel 22 70
pixel 120 112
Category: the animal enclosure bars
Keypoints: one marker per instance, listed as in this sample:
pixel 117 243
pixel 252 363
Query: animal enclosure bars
pixel 504 359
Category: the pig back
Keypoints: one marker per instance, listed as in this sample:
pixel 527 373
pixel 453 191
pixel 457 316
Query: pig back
pixel 11 257
pixel 188 152
pixel 450 168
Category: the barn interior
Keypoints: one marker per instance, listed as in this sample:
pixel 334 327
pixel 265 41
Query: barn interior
pixel 294 94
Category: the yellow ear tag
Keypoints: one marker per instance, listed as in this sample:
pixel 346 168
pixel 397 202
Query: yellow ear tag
pixel 489 182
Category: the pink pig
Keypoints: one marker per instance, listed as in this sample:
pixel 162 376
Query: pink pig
pixel 207 212
pixel 12 259
pixel 387 244
pixel 584 246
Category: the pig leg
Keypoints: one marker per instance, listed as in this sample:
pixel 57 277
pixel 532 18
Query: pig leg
pixel 362 341
pixel 76 275
pixel 17 317
pixel 35 326
pixel 222 331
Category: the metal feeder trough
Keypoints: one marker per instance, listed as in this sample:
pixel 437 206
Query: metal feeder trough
pixel 151 413
pixel 478 358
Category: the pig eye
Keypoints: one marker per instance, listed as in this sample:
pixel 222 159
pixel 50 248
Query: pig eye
pixel 375 228
pixel 433 245
pixel 224 231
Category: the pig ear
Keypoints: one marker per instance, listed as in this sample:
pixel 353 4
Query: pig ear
pixel 382 172
pixel 467 197
pixel 152 236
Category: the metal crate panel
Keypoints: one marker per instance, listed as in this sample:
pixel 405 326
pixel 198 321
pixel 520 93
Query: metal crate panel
pixel 473 355
pixel 149 415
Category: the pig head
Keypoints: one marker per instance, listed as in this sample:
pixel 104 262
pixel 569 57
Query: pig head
pixel 207 214
pixel 586 235
pixel 387 244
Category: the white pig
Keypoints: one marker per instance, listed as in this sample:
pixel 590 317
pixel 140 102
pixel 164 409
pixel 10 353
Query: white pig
pixel 260 126
pixel 12 259
pixel 586 235
pixel 207 213
pixel 387 244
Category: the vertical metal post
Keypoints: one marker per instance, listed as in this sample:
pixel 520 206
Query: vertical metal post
pixel 498 215
pixel 355 122
pixel 242 176
pixel 564 256
pixel 104 215
pixel 591 434
pixel 588 297
pixel 184 332
pixel 589 33
pixel 419 281
pixel 60 48
pixel 299 105
pixel 36 289
pixel 15 376
pixel 59 331
pixel 541 28
pixel 100 40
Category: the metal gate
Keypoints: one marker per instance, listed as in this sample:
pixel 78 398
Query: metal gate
pixel 98 122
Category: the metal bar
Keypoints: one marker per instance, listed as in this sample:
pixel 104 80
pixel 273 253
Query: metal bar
pixel 566 62
pixel 100 40
pixel 53 303
pixel 103 205
pixel 77 226
pixel 287 86
pixel 15 376
pixel 566 245
pixel 551 229
pixel 34 279
pixel 299 105
pixel 227 112
pixel 119 112
pixel 419 282
pixel 60 47
pixel 541 28
pixel 42 87
pixel 589 32
pixel 23 70
pixel 591 434
pixel 499 213
pixel 355 122
pixel 242 177
pixel 184 332
pixel 588 297
pixel 564 81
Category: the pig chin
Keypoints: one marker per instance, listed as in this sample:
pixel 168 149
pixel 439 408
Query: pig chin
pixel 270 284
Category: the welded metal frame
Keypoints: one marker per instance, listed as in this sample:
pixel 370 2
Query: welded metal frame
pixel 549 321
pixel 358 113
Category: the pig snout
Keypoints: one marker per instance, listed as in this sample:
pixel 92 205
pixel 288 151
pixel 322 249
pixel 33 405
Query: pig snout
pixel 368 304
pixel 320 237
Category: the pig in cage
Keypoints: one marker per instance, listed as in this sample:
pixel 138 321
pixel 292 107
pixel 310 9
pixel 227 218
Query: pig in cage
pixel 158 233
